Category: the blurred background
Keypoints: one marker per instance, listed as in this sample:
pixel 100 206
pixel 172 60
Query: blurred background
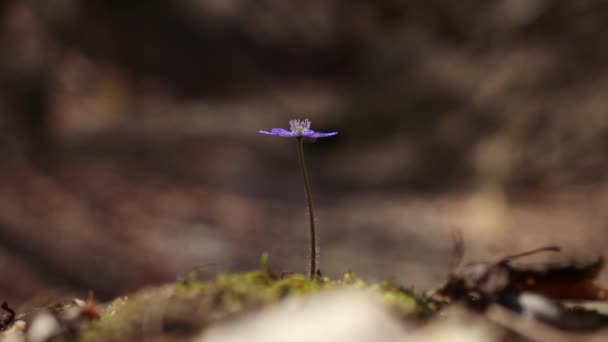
pixel 130 153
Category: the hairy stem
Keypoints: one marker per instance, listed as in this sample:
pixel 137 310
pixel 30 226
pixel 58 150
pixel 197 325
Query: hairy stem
pixel 311 215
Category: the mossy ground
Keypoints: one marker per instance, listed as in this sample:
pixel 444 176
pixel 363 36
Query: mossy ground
pixel 179 310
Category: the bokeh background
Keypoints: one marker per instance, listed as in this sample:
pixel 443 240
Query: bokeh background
pixel 130 153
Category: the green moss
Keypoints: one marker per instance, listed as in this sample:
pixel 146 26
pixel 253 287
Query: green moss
pixel 186 307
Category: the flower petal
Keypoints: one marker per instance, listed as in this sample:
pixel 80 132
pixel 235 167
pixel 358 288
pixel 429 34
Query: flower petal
pixel 280 132
pixel 313 134
pixel 284 133
pixel 306 133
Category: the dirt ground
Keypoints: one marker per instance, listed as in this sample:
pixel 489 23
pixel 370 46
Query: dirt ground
pixel 97 226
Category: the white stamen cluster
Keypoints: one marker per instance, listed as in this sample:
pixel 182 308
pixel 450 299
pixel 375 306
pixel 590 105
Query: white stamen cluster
pixel 299 126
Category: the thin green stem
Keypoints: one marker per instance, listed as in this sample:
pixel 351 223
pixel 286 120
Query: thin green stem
pixel 311 215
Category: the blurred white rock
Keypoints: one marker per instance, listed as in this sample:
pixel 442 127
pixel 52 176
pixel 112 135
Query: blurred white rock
pixel 334 316
pixel 16 333
pixel 43 327
pixel 457 324
pixel 342 316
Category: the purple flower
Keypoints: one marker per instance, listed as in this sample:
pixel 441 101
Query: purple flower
pixel 298 128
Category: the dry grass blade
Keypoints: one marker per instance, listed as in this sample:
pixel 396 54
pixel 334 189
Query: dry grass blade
pixel 457 249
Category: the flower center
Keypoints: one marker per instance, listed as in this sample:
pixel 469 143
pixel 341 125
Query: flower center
pixel 299 126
